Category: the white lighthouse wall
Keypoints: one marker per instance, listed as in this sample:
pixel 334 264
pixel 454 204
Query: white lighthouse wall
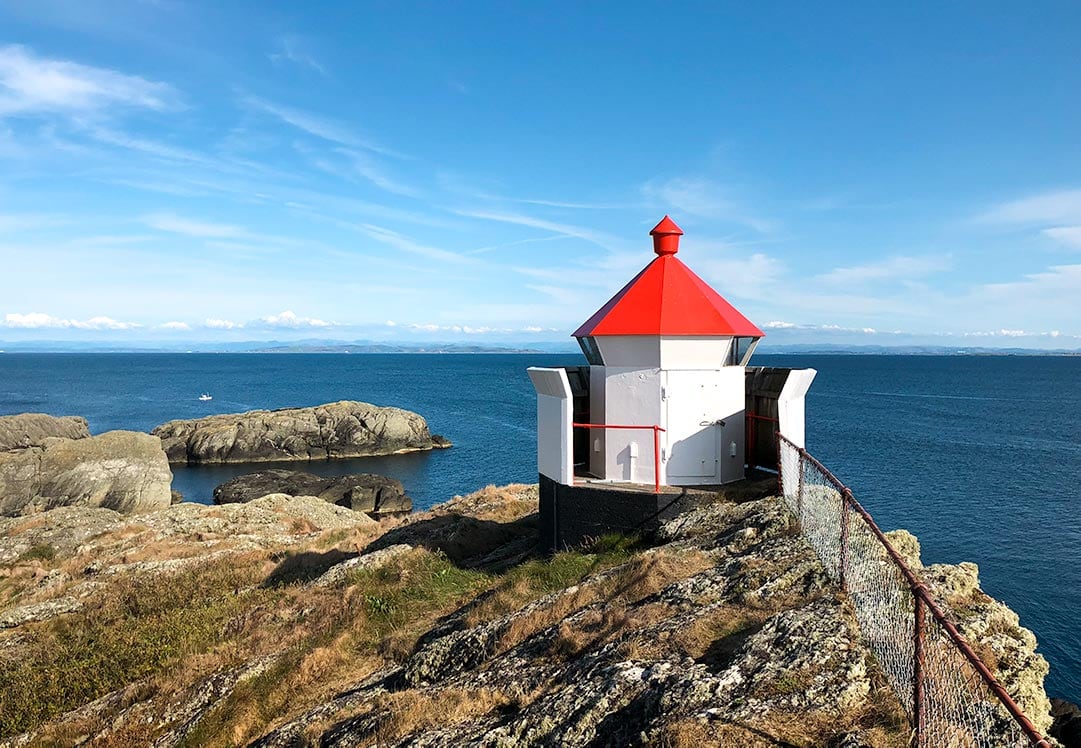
pixel 694 352
pixel 700 450
pixel 631 397
pixel 629 351
pixel 555 457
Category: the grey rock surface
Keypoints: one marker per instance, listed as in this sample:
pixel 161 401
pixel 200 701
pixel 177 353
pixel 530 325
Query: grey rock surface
pixel 33 429
pixel 339 573
pixel 122 470
pixel 342 429
pixel 375 495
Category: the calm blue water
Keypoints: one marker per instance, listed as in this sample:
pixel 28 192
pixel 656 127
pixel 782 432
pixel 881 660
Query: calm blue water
pixel 978 456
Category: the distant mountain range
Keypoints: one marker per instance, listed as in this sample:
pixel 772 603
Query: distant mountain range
pixel 536 347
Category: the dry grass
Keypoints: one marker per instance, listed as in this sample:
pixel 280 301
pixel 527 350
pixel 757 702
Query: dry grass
pixel 408 712
pixel 637 578
pixel 599 625
pixel 698 638
pixel 691 733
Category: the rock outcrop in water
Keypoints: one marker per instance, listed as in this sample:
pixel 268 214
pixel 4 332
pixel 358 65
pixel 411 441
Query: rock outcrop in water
pixel 341 429
pixel 53 462
pixel 294 622
pixel 375 495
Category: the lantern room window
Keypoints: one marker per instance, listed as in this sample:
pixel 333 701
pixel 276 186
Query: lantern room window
pixel 591 351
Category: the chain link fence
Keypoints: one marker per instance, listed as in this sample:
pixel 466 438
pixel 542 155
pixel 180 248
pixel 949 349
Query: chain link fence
pixel 952 700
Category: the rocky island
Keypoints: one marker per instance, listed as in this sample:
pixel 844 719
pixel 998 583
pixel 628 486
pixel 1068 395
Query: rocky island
pixel 342 429
pixel 289 621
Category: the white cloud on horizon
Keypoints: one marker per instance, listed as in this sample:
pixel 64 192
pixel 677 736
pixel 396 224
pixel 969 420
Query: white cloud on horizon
pixel 221 324
pixel 176 326
pixel 289 320
pixel 40 320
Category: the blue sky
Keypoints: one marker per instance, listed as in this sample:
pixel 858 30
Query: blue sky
pixel 869 173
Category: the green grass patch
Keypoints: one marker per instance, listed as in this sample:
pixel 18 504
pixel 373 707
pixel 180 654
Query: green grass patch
pixel 39 552
pixel 143 627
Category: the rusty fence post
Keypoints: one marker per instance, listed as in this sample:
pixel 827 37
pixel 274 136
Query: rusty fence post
pixel 846 496
pixel 918 628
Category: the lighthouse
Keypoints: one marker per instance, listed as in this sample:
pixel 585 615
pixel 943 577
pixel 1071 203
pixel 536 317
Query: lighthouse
pixel 663 405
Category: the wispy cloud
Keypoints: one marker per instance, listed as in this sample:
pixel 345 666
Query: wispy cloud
pixel 179 326
pixel 889 270
pixel 703 198
pixel 27 221
pixel 40 320
pixel 31 84
pixel 320 127
pixel 289 50
pixel 198 229
pixel 519 219
pixel 396 240
pixel 1060 206
pixel 1069 236
pixel 366 167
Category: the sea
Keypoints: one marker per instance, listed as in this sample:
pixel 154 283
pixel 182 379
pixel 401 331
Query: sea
pixel 979 456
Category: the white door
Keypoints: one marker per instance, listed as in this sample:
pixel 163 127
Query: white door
pixel 693 435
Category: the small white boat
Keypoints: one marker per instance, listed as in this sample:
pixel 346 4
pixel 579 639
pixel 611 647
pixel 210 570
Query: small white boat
pixel 205 397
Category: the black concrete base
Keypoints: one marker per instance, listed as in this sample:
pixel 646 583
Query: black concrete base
pixel 573 515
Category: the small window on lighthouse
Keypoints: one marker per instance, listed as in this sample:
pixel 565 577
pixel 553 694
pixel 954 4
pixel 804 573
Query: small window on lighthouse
pixel 592 352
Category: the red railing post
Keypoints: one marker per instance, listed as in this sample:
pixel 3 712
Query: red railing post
pixel 656 444
pixel 917 667
pixel 656 459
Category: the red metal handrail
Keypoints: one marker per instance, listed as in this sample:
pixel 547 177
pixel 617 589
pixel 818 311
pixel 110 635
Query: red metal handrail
pixel 922 600
pixel 656 445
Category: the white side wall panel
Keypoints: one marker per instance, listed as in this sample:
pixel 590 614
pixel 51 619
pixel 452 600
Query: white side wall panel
pixel 555 458
pixel 791 405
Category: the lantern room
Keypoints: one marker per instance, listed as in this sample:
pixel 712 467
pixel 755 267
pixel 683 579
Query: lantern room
pixel 664 399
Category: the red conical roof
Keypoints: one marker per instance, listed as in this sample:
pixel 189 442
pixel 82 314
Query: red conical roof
pixel 667 298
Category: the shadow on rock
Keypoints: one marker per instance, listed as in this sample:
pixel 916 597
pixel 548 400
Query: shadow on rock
pixel 304 567
pixel 468 542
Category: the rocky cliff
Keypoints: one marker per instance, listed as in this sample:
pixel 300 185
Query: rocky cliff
pixel 291 622
pixel 51 462
pixel 33 429
pixel 342 429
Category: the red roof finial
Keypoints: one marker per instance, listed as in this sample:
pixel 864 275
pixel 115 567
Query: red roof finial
pixel 666 237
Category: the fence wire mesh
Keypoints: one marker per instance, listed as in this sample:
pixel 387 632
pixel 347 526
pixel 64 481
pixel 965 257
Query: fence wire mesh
pixel 950 703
